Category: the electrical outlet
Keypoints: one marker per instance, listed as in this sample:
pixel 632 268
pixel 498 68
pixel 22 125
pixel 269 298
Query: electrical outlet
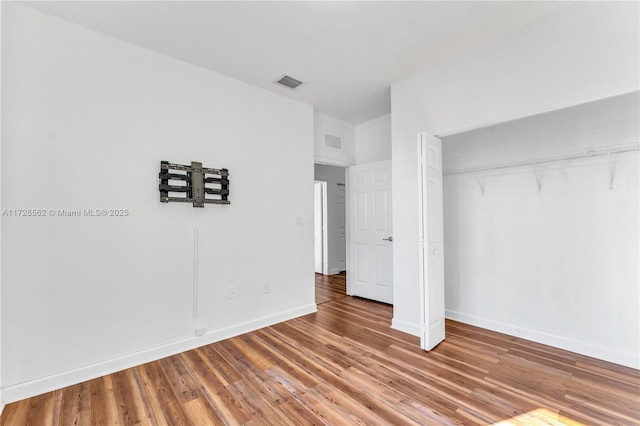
pixel 266 288
pixel 232 292
pixel 201 331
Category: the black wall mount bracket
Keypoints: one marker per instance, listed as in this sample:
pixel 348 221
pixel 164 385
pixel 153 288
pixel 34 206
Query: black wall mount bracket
pixel 198 185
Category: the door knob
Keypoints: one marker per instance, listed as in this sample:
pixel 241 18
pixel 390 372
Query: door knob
pixel 388 239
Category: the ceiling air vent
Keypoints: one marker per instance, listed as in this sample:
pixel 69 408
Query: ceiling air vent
pixel 288 81
pixel 331 141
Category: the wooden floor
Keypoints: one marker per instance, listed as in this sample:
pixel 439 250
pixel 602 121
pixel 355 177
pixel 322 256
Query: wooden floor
pixel 344 365
pixel 330 287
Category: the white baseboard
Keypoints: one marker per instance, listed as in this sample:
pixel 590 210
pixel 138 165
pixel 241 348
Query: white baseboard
pixel 334 271
pixel 406 327
pixel 78 375
pixel 580 347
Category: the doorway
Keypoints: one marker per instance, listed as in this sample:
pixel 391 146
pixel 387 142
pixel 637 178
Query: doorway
pixel 330 231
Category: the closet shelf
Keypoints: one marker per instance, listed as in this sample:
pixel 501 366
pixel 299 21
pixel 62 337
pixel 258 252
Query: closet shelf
pixel 593 152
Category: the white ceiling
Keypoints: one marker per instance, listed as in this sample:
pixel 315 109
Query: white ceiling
pixel 347 53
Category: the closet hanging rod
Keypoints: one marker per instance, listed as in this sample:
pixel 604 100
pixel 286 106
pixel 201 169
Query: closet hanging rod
pixel 593 152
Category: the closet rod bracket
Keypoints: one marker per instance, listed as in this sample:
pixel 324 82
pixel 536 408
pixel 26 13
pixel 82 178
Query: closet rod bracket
pixel 611 171
pixel 480 184
pixel 536 175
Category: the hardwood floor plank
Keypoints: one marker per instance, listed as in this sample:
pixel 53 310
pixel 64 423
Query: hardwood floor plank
pixel 142 391
pixel 303 380
pixel 386 401
pixel 225 371
pixel 129 398
pixel 462 417
pixel 329 412
pixel 216 393
pixel 351 401
pixel 441 398
pixel 299 413
pixel 254 375
pixel 310 364
pixel 179 379
pixel 538 417
pixel 307 359
pixel 110 413
pixel 152 401
pixel 294 336
pixel 345 365
pixel 16 413
pixel 76 402
pixel 164 402
pixel 435 360
pixel 262 410
pixel 609 384
pixel 200 413
pixel 38 410
pixel 623 405
pixel 34 411
pixel 287 381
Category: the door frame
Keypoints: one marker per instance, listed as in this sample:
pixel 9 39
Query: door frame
pixel 345 165
pixel 323 219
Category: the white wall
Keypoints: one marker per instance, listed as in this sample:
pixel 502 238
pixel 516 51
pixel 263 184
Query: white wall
pixel 373 140
pixel 557 266
pixel 87 119
pixel 336 211
pixel 323 124
pixel 584 52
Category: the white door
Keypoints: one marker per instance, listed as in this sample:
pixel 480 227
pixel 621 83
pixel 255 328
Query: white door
pixel 370 237
pixel 431 240
pixel 319 193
